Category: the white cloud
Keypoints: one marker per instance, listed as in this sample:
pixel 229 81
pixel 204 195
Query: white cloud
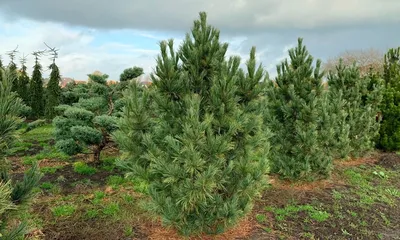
pixel 235 16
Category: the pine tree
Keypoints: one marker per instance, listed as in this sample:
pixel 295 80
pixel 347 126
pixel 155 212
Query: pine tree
pixel 197 134
pixel 53 90
pixel 88 122
pixel 297 107
pixel 37 101
pixel 130 73
pixel 389 135
pixel 12 194
pixel 362 96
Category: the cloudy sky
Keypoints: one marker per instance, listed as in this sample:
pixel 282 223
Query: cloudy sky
pixel 112 35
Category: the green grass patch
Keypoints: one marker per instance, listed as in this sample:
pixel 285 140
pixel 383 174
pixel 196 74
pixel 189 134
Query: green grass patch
pixel 292 210
pixel 63 210
pixel 47 153
pixel 40 134
pixel 50 170
pixel 82 168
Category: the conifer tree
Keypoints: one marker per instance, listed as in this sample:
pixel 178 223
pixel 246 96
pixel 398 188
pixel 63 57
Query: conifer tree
pixel 1 69
pixel 23 82
pixel 37 101
pixel 130 73
pixel 88 122
pixel 53 89
pixel 297 115
pixel 389 135
pixel 12 194
pixel 13 69
pixel 196 135
pixel 363 97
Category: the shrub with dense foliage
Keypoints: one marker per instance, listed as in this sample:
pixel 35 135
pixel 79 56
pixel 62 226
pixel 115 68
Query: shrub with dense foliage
pixel 362 97
pixel 130 73
pixel 12 194
pixel 200 144
pixel 299 117
pixel 89 121
pixel 389 138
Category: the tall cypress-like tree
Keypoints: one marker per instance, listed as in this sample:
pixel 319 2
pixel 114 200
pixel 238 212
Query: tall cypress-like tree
pixel 363 97
pixel 53 90
pixel 37 101
pixel 297 109
pixel 200 143
pixel 389 135
pixel 23 82
pixel 13 69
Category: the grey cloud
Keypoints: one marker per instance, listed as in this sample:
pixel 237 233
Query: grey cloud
pixel 232 16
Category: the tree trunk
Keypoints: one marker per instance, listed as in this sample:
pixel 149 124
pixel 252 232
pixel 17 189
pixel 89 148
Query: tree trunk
pixel 97 152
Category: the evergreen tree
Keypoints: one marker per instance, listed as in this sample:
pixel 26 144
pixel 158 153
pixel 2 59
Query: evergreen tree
pixel 196 135
pixel 298 117
pixel 389 135
pixel 53 90
pixel 23 82
pixel 130 73
pixel 362 96
pixel 1 69
pixel 72 92
pixel 12 194
pixel 88 122
pixel 37 101
pixel 13 69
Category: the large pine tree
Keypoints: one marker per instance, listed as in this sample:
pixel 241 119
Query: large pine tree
pixel 389 138
pixel 200 143
pixel 36 90
pixel 298 117
pixel 362 96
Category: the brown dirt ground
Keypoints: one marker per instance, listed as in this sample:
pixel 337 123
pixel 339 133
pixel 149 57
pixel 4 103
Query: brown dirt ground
pixel 280 194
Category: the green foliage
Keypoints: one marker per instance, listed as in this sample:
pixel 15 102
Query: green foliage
pixel 53 92
pixel 197 135
pixel 130 73
pixel 389 135
pixel 35 124
pixel 12 67
pixel 298 114
pixel 362 97
pixel 23 84
pixel 63 210
pixel 72 92
pixel 13 194
pixel 83 168
pixel 88 121
pixel 36 90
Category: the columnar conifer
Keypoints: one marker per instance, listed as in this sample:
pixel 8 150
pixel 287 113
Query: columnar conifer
pixel 298 117
pixel 36 90
pixel 197 134
pixel 389 138
pixel 362 96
